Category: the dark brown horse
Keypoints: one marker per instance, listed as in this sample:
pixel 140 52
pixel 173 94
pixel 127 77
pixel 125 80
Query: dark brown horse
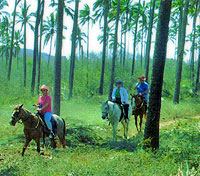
pixel 139 108
pixel 34 127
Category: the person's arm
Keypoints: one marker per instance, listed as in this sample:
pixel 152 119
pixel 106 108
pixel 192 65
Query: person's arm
pixel 136 86
pixel 113 94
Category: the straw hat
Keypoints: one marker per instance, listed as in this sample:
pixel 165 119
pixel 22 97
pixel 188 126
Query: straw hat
pixel 44 87
pixel 142 78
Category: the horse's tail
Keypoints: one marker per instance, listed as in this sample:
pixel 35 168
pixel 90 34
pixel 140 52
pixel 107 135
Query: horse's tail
pixel 64 130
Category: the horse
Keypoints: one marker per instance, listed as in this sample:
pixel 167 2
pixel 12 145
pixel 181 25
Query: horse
pixel 112 112
pixel 139 108
pixel 34 127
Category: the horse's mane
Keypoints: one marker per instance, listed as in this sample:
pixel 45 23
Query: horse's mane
pixel 28 113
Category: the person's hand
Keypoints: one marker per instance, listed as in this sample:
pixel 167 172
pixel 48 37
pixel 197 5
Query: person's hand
pixel 39 110
pixel 140 94
pixel 36 105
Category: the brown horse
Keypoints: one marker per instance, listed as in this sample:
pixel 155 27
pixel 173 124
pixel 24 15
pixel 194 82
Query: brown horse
pixel 34 127
pixel 139 108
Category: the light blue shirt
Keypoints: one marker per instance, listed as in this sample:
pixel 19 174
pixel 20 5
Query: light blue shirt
pixel 123 93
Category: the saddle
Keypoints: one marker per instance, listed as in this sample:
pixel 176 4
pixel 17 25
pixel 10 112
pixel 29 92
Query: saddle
pixel 53 122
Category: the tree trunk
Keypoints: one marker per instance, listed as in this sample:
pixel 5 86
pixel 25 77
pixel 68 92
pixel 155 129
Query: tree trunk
pixel 181 45
pixel 193 43
pixel 87 75
pixel 49 58
pixel 135 40
pixel 12 39
pixel 35 50
pixel 73 51
pixel 114 51
pixel 40 48
pixel 121 47
pixel 125 31
pixel 153 115
pixel 148 48
pixel 104 46
pixel 141 55
pixel 198 70
pixel 24 47
pixel 58 59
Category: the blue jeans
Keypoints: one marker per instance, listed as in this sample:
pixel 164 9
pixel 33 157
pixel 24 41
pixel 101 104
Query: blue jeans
pixel 47 118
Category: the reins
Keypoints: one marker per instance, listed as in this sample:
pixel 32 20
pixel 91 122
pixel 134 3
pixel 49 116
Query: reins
pixel 38 122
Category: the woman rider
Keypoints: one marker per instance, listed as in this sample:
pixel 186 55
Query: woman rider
pixel 44 107
pixel 120 96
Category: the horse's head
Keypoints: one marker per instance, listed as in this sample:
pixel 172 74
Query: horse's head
pixel 136 101
pixel 104 109
pixel 15 117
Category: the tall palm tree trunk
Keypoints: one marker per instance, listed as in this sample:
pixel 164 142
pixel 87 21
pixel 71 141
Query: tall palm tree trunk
pixel 148 48
pixel 40 48
pixel 181 45
pixel 24 47
pixel 106 9
pixel 134 44
pixel 58 59
pixel 35 50
pixel 114 51
pixel 153 115
pixel 12 39
pixel 51 41
pixel 73 51
pixel 193 43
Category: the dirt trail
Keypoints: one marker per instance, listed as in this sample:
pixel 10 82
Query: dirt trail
pixel 165 124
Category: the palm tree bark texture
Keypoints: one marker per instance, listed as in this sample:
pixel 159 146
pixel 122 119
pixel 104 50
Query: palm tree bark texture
pixel 35 50
pixel 151 132
pixel 181 45
pixel 114 51
pixel 58 58
pixel 73 51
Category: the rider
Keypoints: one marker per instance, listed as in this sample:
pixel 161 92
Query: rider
pixel 44 106
pixel 143 88
pixel 120 96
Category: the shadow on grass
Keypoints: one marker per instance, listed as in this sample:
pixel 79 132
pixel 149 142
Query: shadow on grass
pixel 86 135
pixel 9 172
pixel 81 135
pixel 129 145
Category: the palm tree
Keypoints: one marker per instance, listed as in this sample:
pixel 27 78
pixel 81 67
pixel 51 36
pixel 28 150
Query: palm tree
pixel 80 37
pixel 49 32
pixel 5 37
pixel 153 115
pixel 40 46
pixel 73 51
pixel 148 46
pixel 35 50
pixel 102 7
pixel 85 17
pixel 24 18
pixel 16 46
pixel 125 7
pixel 114 49
pixel 181 44
pixel 135 35
pixel 58 57
pixel 3 3
pixel 195 12
pixel 12 38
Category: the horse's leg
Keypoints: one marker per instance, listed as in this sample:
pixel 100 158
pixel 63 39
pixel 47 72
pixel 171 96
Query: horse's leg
pixel 115 131
pixel 25 145
pixel 125 126
pixel 38 144
pixel 62 140
pixel 53 143
pixel 136 123
pixel 141 116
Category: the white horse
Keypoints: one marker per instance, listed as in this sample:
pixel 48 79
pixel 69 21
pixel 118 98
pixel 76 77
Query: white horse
pixel 112 112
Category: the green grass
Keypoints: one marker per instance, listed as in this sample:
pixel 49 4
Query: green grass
pixel 90 148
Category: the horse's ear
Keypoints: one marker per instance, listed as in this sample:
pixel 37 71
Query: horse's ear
pixel 20 106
